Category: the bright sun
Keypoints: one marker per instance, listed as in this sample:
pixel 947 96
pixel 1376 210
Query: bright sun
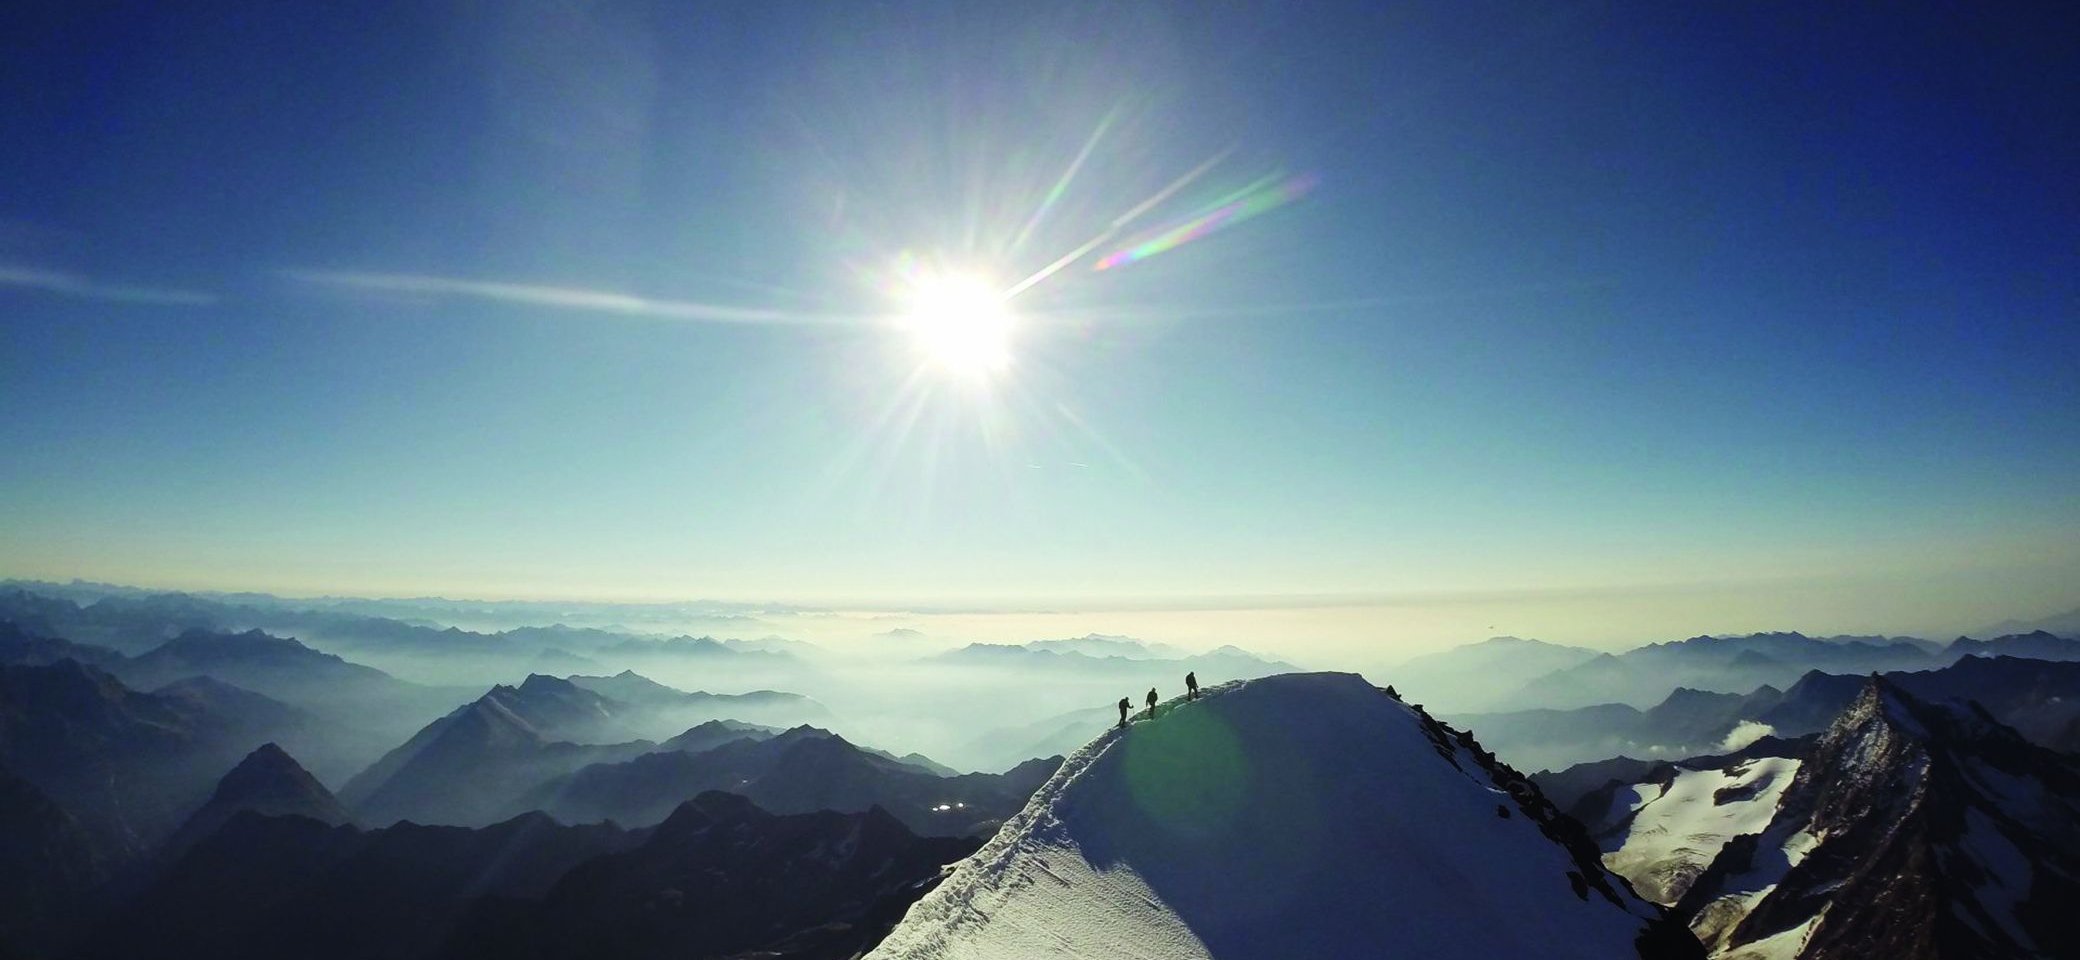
pixel 961 324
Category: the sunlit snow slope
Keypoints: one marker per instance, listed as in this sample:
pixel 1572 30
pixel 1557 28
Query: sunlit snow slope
pixel 1304 815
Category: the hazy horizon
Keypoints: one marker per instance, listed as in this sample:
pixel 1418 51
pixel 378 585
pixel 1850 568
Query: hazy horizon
pixel 1316 632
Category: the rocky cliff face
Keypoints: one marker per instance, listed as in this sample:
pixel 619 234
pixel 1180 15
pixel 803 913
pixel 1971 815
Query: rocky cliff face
pixel 1915 831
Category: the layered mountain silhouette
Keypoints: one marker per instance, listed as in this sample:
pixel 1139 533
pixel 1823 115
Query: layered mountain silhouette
pixel 722 877
pixel 2039 698
pixel 797 771
pixel 718 878
pixel 467 767
pixel 655 707
pixel 55 868
pixel 295 887
pixel 1484 676
pixel 129 765
pixel 20 647
pixel 277 666
pixel 1057 735
pixel 362 711
pixel 1645 675
pixel 715 733
pixel 1223 662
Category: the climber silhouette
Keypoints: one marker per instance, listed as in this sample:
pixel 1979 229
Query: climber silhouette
pixel 1151 703
pixel 1123 711
pixel 1191 686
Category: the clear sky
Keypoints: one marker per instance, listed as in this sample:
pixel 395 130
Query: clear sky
pixel 1683 307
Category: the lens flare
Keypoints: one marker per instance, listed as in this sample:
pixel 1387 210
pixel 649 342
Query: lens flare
pixel 1263 196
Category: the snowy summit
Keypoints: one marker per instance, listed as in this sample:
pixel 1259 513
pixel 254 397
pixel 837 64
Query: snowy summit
pixel 1292 816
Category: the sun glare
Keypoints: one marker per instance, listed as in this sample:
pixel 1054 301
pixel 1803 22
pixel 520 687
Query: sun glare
pixel 960 324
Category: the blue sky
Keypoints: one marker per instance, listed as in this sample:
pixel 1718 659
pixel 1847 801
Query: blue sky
pixel 1612 298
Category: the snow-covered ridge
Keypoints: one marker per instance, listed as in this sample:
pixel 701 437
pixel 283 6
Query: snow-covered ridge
pixel 1301 815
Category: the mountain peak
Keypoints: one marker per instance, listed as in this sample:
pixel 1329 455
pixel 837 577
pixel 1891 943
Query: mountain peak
pixel 1295 815
pixel 709 808
pixel 268 782
pixel 538 682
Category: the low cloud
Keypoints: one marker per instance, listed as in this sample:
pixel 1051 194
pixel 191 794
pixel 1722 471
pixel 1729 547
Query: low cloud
pixel 1745 733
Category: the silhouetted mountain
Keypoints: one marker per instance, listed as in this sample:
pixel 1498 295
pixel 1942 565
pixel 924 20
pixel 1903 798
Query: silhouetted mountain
pixel 1224 662
pixel 277 666
pixel 1107 645
pixel 466 767
pixel 1058 735
pixel 54 870
pixel 2037 645
pixel 2039 698
pixel 267 782
pixel 129 765
pixel 1916 831
pixel 660 708
pixel 1555 738
pixel 720 878
pixel 1569 787
pixel 1479 676
pixel 685 647
pixel 363 710
pixel 1687 723
pixel 1647 674
pixel 1813 702
pixel 561 710
pixel 2065 624
pixel 715 733
pixel 801 770
pixel 128 624
pixel 255 711
pixel 271 887
pixel 922 762
pixel 553 660
pixel 19 646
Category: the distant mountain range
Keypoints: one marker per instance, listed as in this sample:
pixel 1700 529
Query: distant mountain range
pixel 1060 734
pixel 2037 697
pixel 1110 645
pixel 718 878
pixel 2065 624
pixel 1507 673
pixel 467 767
pixel 1121 659
pixel 128 764
pixel 659 709
pixel 341 714
pixel 136 622
pixel 1483 676
pixel 800 770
